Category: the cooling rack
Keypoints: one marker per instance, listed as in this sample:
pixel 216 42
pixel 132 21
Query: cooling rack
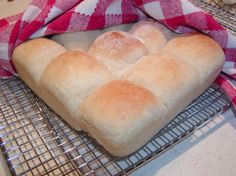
pixel 35 141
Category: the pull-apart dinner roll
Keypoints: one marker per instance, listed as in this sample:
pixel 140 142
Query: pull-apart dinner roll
pixel 69 78
pixel 153 34
pixel 173 81
pixel 32 57
pixel 117 50
pixel 83 39
pixel 121 116
pixel 200 52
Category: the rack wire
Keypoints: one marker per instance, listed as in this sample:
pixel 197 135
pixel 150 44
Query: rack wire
pixel 36 141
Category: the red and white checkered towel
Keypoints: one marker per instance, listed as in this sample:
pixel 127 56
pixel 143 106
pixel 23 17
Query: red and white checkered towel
pixel 46 17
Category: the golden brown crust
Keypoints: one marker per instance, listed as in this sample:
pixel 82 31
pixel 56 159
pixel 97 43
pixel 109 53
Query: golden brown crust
pixel 83 39
pixel 117 113
pixel 153 34
pixel 166 77
pixel 121 99
pixel 116 45
pixel 32 57
pixel 117 50
pixel 72 76
pixel 199 51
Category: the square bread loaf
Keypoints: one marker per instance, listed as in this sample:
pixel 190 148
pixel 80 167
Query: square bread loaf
pixel 123 84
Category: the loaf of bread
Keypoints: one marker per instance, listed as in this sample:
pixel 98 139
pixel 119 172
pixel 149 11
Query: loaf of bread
pixel 125 86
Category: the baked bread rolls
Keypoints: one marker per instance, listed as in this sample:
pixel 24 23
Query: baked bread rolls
pixel 117 50
pixel 69 78
pixel 32 57
pixel 152 34
pixel 198 51
pixel 117 91
pixel 83 39
pixel 172 81
pixel 122 116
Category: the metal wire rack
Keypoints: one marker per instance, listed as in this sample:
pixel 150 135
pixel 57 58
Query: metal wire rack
pixel 35 141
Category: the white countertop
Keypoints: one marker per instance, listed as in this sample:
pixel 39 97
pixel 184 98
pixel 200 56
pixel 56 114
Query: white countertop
pixel 210 151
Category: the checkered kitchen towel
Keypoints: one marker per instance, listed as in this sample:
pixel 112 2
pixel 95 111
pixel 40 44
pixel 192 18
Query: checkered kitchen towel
pixel 46 17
